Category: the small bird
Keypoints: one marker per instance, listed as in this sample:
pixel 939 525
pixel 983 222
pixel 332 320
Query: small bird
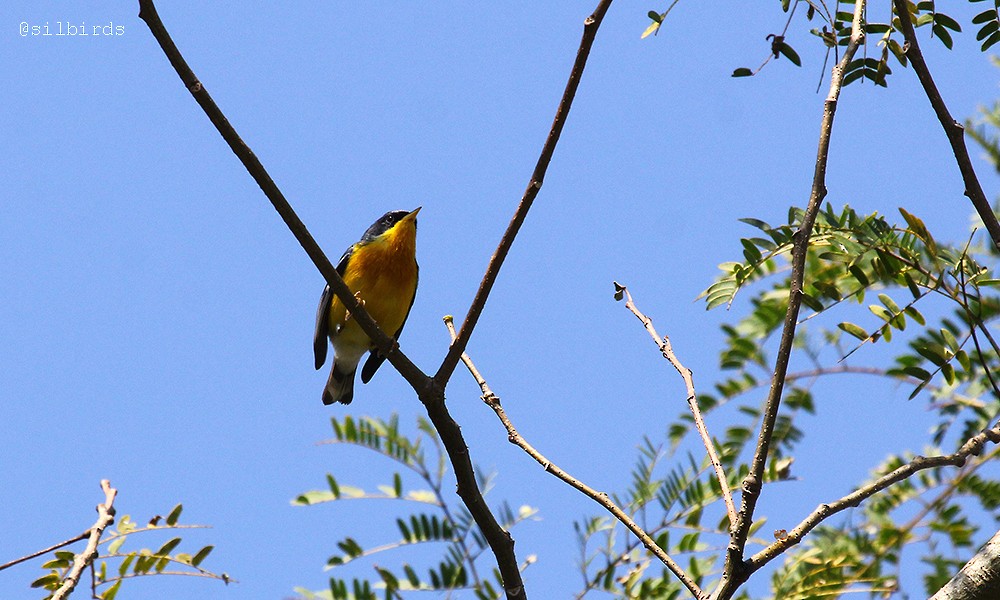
pixel 381 270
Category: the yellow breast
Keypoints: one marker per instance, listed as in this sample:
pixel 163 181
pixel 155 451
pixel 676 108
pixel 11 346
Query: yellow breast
pixel 383 273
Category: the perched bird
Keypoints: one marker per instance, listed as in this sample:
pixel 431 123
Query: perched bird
pixel 381 270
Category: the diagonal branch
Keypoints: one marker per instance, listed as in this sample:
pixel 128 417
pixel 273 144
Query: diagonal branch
pixel 386 345
pixel 590 26
pixel 493 401
pixel 663 343
pixel 735 572
pixel 105 517
pixel 72 540
pixel 972 447
pixel 952 128
pixel 431 395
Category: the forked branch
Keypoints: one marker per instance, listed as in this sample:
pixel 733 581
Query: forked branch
pixel 386 345
pixel 952 128
pixel 105 517
pixel 514 437
pixel 972 447
pixel 735 571
pixel 590 26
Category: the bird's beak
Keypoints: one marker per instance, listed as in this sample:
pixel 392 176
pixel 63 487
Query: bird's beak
pixel 413 213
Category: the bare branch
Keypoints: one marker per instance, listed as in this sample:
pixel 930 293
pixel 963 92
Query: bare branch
pixel 952 128
pixel 105 517
pixel 735 572
pixel 973 447
pixel 663 343
pixel 493 401
pixel 430 394
pixel 72 540
pixel 386 345
pixel 590 26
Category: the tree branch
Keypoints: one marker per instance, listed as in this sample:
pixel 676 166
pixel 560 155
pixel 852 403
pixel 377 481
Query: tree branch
pixel 590 26
pixel 386 345
pixel 514 437
pixel 952 128
pixel 105 517
pixel 72 540
pixel 663 343
pixel 979 579
pixel 972 447
pixel 430 394
pixel 735 572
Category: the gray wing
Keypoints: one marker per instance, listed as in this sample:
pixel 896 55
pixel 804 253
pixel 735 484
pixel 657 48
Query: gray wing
pixel 322 333
pixel 375 358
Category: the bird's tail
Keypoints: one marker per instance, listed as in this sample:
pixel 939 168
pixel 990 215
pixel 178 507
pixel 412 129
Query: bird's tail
pixel 340 386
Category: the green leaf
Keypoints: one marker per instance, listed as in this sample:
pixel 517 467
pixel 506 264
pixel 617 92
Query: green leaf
pixel 201 555
pixel 742 72
pixel 854 330
pixel 963 359
pixel 985 17
pixel 877 28
pixel 167 547
pixel 126 562
pixel 887 301
pixel 655 16
pixel 934 353
pixel 52 579
pixel 112 591
pixel 116 544
pixel 949 373
pixel 812 303
pixel 993 39
pixel 914 314
pixel 987 29
pixel 859 275
pixel 946 21
pixel 790 54
pixel 917 372
pixel 397 485
pixel 943 35
pixel 949 339
pixel 175 514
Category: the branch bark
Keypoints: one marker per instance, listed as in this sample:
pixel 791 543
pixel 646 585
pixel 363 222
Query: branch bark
pixel 105 517
pixel 735 571
pixel 590 27
pixel 429 390
pixel 979 579
pixel 386 345
pixel 972 447
pixel 952 128
pixel 602 498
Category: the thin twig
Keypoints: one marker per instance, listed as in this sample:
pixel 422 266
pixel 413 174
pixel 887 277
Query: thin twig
pixel 16 561
pixel 663 343
pixel 735 572
pixel 493 401
pixel 952 128
pixel 590 26
pixel 972 447
pixel 105 517
pixel 386 345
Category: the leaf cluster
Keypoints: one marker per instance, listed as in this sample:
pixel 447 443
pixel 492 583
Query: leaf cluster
pixel 114 565
pixel 438 522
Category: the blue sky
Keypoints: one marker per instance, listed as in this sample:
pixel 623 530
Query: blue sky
pixel 157 315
